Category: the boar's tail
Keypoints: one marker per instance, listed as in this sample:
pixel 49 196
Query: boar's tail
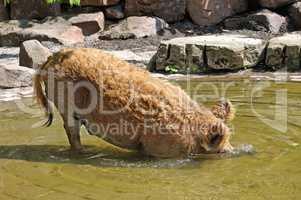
pixel 224 110
pixel 41 96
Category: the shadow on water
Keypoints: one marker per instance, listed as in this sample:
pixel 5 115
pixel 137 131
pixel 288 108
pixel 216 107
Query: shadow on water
pixel 104 157
pixel 98 158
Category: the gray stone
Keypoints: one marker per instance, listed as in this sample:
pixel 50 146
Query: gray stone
pixel 134 57
pixel 294 12
pixel 195 57
pixel 90 23
pixel 169 10
pixel 9 55
pixel 135 27
pixel 284 51
pixel 263 20
pixel 58 30
pixel 205 13
pixel 225 51
pixel 177 54
pixel 12 76
pixel 274 3
pixel 13 94
pixel 115 35
pixel 114 12
pixel 161 60
pixel 33 53
pixel 98 2
pixel 3 12
pixel 33 9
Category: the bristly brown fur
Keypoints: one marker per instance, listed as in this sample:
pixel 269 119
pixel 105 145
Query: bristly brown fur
pixel 122 85
pixel 224 110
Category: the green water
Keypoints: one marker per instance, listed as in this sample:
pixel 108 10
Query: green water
pixel 35 162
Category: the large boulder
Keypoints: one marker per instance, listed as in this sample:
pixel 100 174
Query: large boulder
pixel 274 3
pixel 3 11
pixel 33 54
pixel 33 9
pixel 169 10
pixel 294 12
pixel 205 13
pixel 200 53
pixel 284 51
pixel 57 30
pixel 263 20
pixel 135 27
pixel 12 76
pixel 90 23
pixel 98 2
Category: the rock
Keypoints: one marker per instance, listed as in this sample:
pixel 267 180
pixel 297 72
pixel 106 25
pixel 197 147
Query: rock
pixel 205 13
pixel 284 51
pixel 58 30
pixel 13 94
pixel 294 12
pixel 114 12
pixel 33 53
pixel 12 76
pixel 195 54
pixel 169 10
pixel 3 12
pixel 98 2
pixel 263 20
pixel 135 27
pixel 134 57
pixel 115 35
pixel 274 3
pixel 9 55
pixel 90 23
pixel 33 9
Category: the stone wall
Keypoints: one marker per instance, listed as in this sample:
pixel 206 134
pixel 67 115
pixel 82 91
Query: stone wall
pixel 229 51
pixel 3 11
pixel 201 12
pixel 183 36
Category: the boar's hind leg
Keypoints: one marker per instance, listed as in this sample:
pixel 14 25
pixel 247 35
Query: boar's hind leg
pixel 73 133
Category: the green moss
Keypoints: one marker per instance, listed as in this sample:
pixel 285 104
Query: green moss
pixel 171 69
pixel 194 69
pixel 71 2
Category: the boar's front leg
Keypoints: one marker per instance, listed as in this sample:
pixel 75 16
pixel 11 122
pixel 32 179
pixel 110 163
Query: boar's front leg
pixel 72 129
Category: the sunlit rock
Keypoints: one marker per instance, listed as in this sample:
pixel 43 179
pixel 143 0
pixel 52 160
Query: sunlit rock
pixel 90 23
pixel 12 76
pixel 57 30
pixel 200 53
pixel 33 53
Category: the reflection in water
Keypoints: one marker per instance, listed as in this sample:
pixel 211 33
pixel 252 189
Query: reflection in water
pixel 37 162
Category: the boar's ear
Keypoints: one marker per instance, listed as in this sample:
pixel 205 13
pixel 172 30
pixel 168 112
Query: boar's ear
pixel 224 110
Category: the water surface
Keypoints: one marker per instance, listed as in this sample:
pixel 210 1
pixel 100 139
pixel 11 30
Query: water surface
pixel 35 162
